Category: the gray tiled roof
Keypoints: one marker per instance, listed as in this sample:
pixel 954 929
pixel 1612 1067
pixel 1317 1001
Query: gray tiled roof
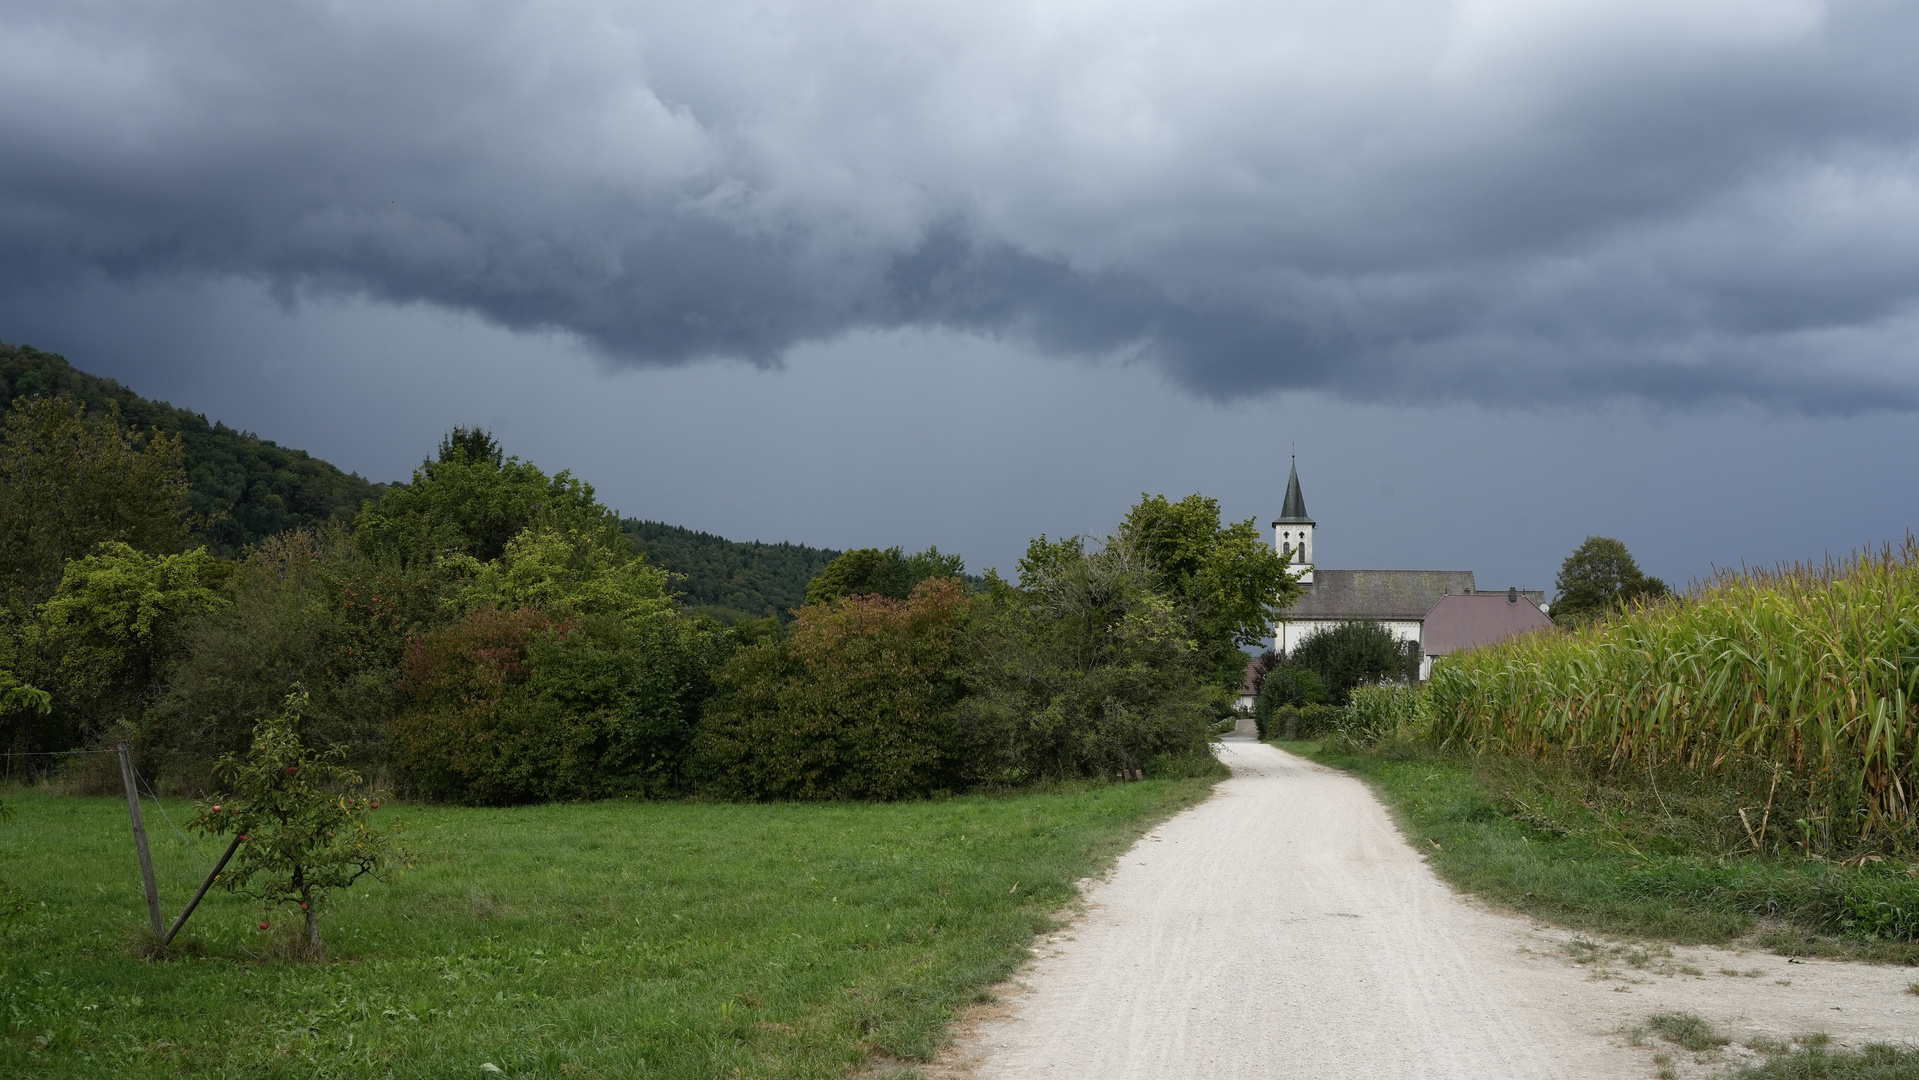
pixel 1377 594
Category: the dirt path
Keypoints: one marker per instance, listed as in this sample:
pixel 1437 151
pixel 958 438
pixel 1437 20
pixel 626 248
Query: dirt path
pixel 1284 928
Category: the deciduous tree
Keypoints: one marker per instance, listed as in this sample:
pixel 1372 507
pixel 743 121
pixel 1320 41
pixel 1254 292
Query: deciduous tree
pixel 1600 577
pixel 1352 654
pixel 881 572
pixel 473 501
pixel 1227 578
pixel 855 704
pixel 1081 669
pixel 113 630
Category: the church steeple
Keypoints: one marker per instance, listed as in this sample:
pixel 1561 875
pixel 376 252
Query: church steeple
pixel 1294 509
pixel 1293 531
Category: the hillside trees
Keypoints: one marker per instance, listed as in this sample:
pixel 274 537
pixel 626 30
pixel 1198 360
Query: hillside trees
pixel 487 633
pixel 730 580
pixel 70 482
pixel 241 488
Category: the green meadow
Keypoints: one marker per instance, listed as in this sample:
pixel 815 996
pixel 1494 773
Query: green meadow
pixel 609 939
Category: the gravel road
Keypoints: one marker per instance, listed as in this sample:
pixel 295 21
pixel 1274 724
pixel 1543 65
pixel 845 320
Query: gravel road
pixel 1285 928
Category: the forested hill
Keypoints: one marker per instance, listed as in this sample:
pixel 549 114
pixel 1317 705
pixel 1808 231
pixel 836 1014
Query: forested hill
pixel 728 579
pixel 247 487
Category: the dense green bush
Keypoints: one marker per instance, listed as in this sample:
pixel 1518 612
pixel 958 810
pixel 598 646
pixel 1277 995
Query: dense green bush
pixel 528 706
pixel 856 704
pixel 1083 669
pixel 1285 684
pixel 1358 653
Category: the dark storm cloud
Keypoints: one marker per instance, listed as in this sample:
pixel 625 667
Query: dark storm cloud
pixel 1679 201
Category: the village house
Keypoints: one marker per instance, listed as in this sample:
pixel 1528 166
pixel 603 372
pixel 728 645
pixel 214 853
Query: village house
pixel 1442 610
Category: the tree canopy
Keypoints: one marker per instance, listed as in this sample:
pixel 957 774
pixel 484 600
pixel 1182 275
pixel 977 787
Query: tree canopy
pixel 881 572
pixel 1599 577
pixel 472 501
pixel 1231 581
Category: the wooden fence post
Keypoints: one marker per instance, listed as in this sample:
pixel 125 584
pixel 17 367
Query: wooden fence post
pixel 140 839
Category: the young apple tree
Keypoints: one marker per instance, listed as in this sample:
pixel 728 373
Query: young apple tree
pixel 302 831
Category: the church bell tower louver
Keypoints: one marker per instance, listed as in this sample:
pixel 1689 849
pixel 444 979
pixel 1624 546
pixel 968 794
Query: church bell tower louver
pixel 1293 532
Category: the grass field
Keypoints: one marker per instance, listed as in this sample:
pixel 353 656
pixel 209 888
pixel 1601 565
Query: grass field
pixel 601 940
pixel 1511 831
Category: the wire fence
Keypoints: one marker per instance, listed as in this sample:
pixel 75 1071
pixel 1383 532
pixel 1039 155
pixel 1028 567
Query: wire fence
pixel 12 769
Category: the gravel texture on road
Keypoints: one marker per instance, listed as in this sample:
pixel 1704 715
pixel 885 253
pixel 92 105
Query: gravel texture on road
pixel 1285 928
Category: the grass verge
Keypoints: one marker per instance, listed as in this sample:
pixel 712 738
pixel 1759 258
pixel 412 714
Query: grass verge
pixel 1818 1062
pixel 598 940
pixel 1523 837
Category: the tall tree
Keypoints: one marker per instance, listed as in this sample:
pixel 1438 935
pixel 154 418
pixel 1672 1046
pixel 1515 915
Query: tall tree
pixel 471 500
pixel 1230 581
pixel 1600 577
pixel 70 482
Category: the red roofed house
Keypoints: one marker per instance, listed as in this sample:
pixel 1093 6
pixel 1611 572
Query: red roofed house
pixel 1462 621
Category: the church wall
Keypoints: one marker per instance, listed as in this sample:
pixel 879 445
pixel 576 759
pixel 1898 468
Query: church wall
pixel 1290 634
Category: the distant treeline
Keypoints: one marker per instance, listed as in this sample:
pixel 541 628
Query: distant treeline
pixel 730 580
pixel 242 488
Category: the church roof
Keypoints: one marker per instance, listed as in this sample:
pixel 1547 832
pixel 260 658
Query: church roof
pixel 1377 594
pixel 1294 508
pixel 1458 622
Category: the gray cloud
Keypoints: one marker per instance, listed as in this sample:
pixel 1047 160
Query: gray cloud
pixel 1681 201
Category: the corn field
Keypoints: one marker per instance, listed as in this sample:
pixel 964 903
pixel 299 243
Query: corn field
pixel 1800 681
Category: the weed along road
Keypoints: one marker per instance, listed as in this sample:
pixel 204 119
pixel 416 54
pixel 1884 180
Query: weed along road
pixel 1285 928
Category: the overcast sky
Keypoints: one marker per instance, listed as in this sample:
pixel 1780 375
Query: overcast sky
pixel 1509 272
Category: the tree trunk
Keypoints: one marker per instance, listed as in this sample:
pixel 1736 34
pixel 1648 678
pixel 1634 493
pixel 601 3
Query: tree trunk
pixel 314 950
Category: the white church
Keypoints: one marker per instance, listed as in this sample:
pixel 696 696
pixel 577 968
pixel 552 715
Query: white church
pixel 1442 610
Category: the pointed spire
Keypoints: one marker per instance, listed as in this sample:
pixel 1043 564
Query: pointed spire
pixel 1294 509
